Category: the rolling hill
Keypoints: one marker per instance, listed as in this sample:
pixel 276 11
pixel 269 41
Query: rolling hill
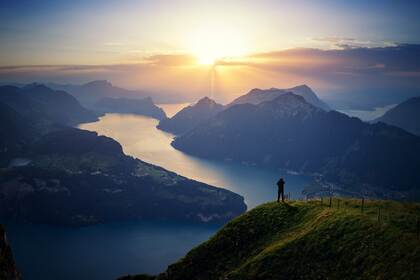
pixel 307 240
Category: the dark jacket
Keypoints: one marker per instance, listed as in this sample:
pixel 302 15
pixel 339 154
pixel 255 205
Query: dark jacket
pixel 280 184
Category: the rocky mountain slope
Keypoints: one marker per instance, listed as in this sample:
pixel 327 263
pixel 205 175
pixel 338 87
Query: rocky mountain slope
pixel 405 115
pixel 257 96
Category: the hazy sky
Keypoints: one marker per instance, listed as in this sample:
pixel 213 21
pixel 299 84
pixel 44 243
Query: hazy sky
pixel 125 31
pixel 355 51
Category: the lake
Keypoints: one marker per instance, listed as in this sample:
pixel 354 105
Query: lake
pixel 111 250
pixel 369 115
pixel 102 251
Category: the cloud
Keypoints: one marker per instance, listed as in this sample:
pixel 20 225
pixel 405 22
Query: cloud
pixel 171 60
pixel 336 42
pixel 391 71
pixel 400 58
pixel 333 39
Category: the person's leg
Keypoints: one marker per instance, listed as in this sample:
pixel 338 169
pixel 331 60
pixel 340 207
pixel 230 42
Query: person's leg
pixel 278 196
pixel 282 196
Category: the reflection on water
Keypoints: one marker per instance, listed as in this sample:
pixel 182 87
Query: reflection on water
pixel 140 138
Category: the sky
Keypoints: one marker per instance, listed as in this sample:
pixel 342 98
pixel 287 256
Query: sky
pixel 175 46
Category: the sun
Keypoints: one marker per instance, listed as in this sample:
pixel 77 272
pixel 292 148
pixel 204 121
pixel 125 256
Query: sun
pixel 206 58
pixel 214 42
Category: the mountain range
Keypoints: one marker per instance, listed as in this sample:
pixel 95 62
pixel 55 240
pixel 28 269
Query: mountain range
pixel 88 94
pixel 290 133
pixel 144 106
pixel 206 108
pixel 405 115
pixel 40 102
pixel 53 173
pixel 103 97
pixel 257 96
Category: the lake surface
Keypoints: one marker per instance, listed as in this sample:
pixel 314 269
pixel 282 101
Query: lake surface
pixel 102 251
pixel 140 138
pixel 112 250
pixel 369 115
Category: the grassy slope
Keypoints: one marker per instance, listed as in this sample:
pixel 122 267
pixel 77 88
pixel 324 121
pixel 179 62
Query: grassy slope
pixel 304 240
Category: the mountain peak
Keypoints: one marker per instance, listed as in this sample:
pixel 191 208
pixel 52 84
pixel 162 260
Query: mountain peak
pixel 206 101
pixel 405 115
pixel 36 86
pixel 290 96
pixel 301 87
pixel 190 116
pixel 98 83
pixel 289 104
pixel 257 96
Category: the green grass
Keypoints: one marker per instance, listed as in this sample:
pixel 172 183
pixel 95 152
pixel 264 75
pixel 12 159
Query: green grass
pixel 307 240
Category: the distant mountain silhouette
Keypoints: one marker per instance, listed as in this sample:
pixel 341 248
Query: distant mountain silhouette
pixel 290 133
pixel 257 96
pixel 90 93
pixel 405 115
pixel 191 116
pixel 38 101
pixel 103 97
pixel 53 173
pixel 143 106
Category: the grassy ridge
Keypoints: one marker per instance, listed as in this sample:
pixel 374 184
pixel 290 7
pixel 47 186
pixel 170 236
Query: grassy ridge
pixel 307 240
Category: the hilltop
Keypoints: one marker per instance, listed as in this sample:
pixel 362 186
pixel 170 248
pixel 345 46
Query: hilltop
pixel 307 240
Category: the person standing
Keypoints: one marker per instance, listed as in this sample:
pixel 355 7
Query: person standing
pixel 280 185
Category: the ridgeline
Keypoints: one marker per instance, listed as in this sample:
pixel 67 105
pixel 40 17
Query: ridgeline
pixel 309 240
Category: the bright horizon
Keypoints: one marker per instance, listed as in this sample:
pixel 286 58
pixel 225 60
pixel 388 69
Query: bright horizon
pixel 222 49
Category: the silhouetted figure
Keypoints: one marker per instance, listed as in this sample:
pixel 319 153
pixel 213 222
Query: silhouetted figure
pixel 280 185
